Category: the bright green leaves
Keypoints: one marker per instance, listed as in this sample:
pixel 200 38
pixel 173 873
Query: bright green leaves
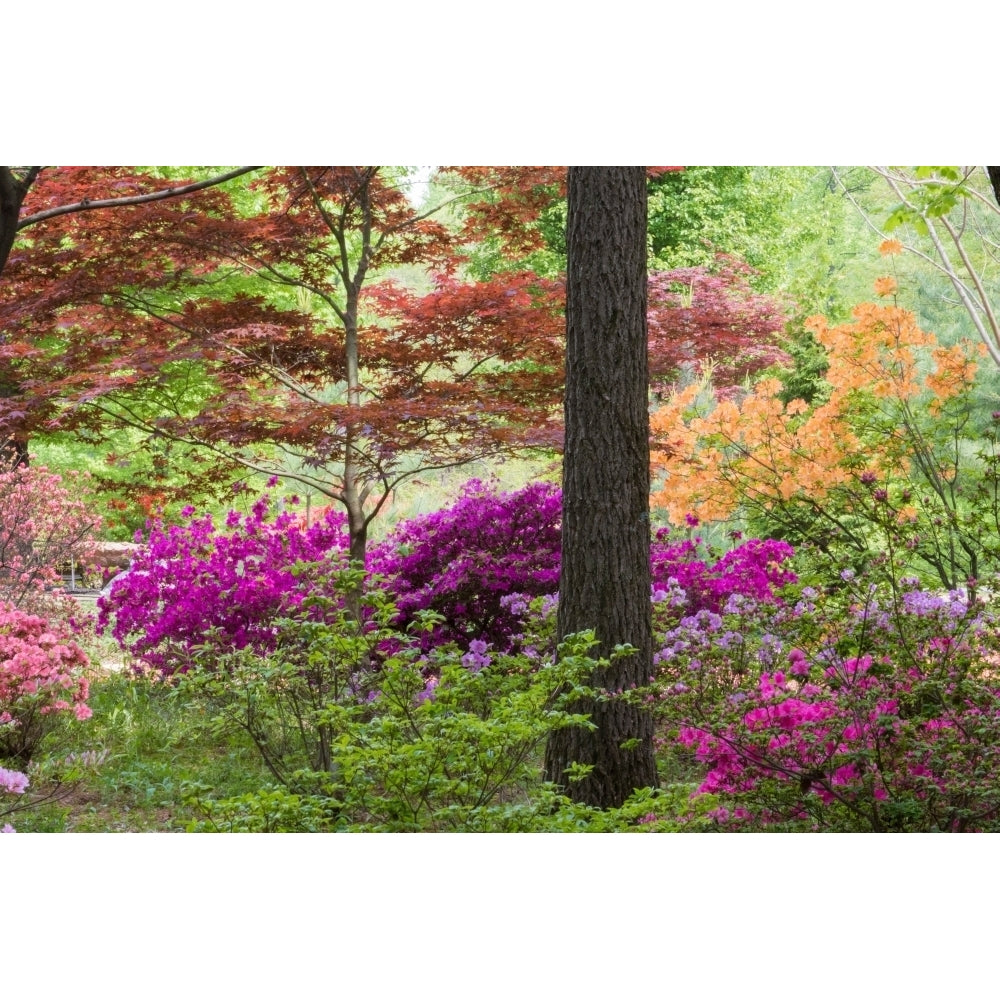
pixel 937 192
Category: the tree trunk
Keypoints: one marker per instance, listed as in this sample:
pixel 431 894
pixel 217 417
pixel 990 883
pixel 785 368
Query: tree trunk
pixel 605 574
pixel 12 193
pixel 994 175
pixel 13 449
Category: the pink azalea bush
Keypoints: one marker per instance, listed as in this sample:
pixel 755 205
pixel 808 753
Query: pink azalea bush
pixel 41 674
pixel 194 584
pixel 872 711
pixel 42 527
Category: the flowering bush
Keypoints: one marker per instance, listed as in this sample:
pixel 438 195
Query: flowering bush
pixel 756 569
pixel 475 565
pixel 40 675
pixel 480 561
pixel 193 584
pixel 463 560
pixel 895 460
pixel 41 528
pixel 860 712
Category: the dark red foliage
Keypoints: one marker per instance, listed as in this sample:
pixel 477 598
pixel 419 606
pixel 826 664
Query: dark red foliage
pixel 144 316
pixel 700 316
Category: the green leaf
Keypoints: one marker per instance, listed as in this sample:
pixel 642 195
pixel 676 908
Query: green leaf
pixel 577 771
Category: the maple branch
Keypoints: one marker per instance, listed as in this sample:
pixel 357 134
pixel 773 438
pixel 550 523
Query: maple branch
pixel 337 231
pixel 139 199
pixel 364 194
pixel 318 202
pixel 421 216
pixel 277 372
pixel 268 272
pixel 123 415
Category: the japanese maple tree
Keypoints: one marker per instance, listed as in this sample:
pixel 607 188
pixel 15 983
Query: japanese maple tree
pixel 69 235
pixel 269 325
pixel 272 336
pixel 711 319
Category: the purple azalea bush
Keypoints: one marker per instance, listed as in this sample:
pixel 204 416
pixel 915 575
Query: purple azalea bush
pixel 463 560
pixel 480 561
pixel 757 569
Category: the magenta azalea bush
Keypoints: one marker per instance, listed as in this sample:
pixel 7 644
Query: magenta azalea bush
pixel 479 562
pixel 756 568
pixel 870 711
pixel 475 564
pixel 193 583
pixel 463 560
pixel 41 674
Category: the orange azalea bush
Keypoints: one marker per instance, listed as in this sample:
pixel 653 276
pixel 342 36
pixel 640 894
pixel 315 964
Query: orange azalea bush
pixel 896 398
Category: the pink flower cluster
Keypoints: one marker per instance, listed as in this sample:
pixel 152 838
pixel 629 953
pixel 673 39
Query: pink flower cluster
pixel 41 528
pixel 13 782
pixel 874 716
pixel 41 673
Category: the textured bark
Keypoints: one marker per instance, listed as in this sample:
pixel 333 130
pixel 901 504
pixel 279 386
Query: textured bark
pixel 13 188
pixel 605 576
pixel 994 175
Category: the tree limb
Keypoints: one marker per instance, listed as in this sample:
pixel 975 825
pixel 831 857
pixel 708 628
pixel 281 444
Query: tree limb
pixel 139 199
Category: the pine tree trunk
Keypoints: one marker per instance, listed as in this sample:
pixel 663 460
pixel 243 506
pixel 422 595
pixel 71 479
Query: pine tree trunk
pixel 605 576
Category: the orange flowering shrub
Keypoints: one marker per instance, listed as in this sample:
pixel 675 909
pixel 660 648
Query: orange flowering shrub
pixel 718 458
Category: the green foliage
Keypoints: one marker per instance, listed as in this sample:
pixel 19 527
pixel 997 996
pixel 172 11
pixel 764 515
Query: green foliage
pixel 360 731
pixel 958 204
pixel 435 746
pixel 269 810
pixel 129 767
pixel 939 193
pixel 804 380
pixel 131 475
pixel 323 657
pixel 700 211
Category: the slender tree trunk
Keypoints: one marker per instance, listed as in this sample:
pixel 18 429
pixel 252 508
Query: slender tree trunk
pixel 357 522
pixel 605 574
